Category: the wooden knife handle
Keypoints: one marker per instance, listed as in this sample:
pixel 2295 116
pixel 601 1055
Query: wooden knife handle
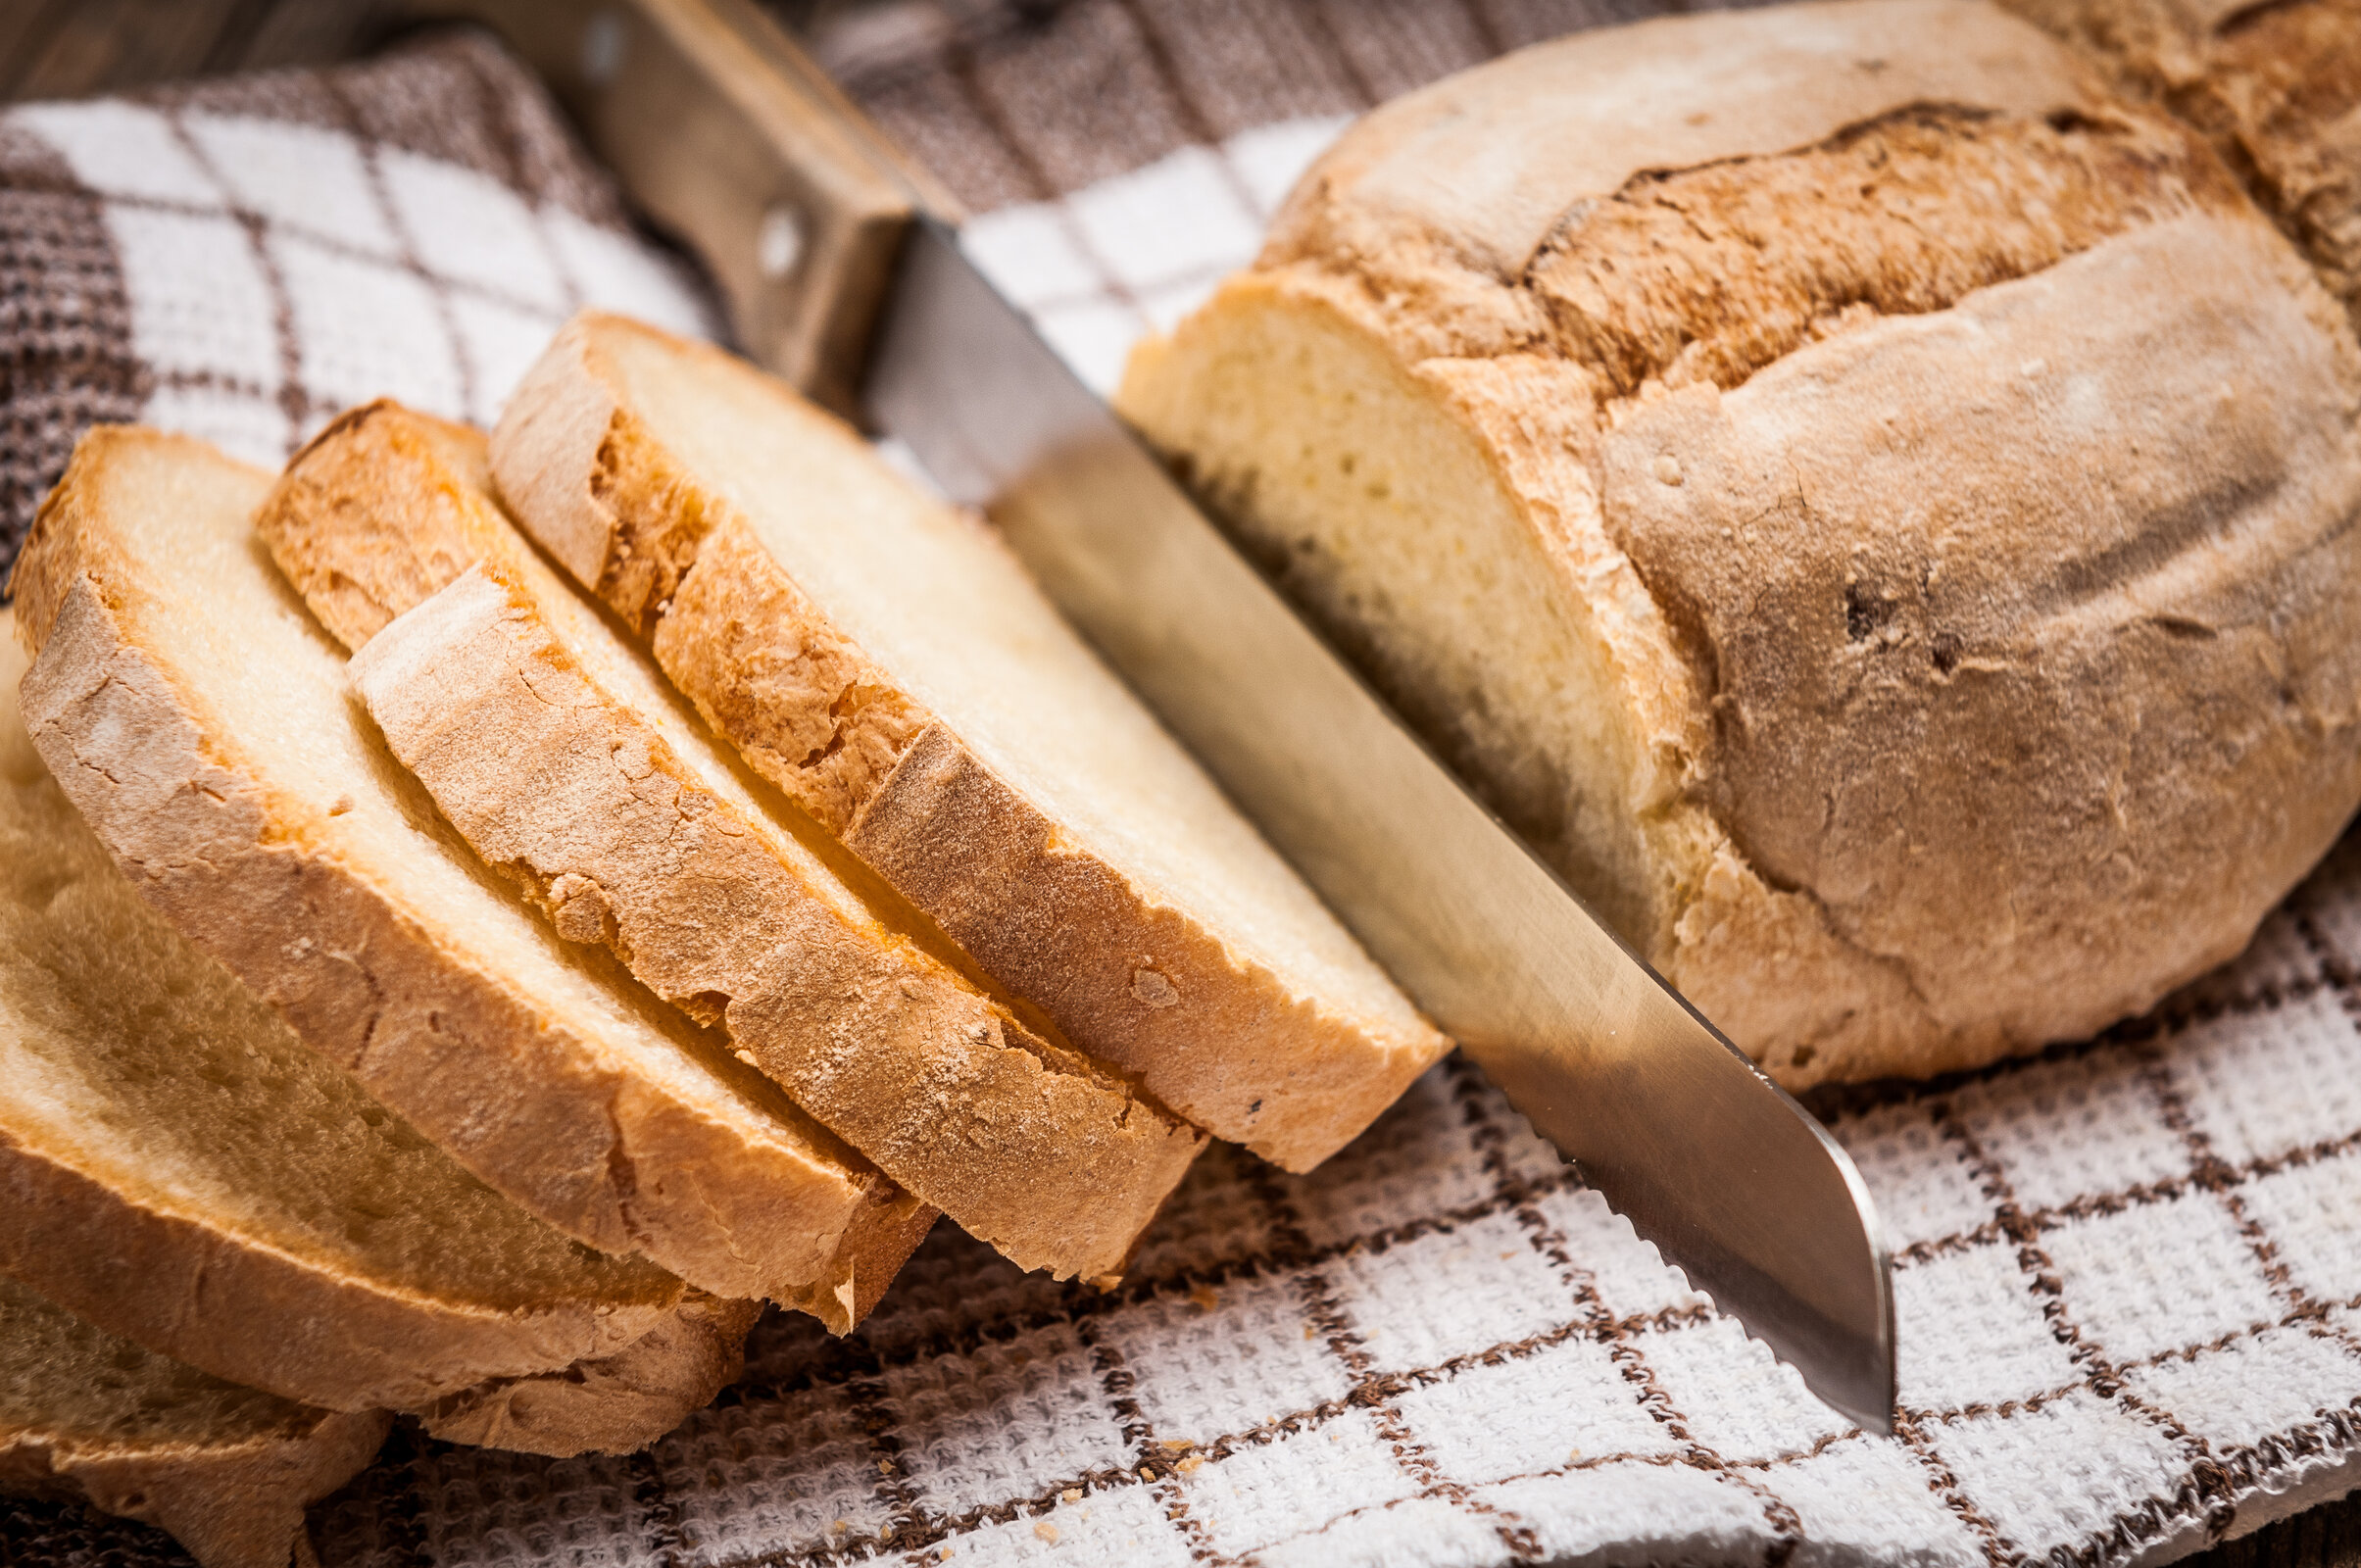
pixel 729 136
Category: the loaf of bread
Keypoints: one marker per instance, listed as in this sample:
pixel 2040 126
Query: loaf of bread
pixel 889 667
pixel 87 1417
pixel 200 721
pixel 510 697
pixel 1873 508
pixel 2274 84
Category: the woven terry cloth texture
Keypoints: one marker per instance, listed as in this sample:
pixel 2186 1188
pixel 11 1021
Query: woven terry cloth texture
pixel 243 258
pixel 2128 1272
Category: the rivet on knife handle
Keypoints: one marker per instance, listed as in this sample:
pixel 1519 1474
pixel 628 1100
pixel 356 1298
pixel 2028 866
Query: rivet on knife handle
pixel 730 137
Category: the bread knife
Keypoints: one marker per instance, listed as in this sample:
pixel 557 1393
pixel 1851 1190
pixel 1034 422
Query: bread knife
pixel 841 265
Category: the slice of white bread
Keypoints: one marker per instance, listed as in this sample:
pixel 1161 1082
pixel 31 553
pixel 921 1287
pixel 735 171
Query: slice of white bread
pixel 87 1417
pixel 200 721
pixel 886 664
pixel 175 1166
pixel 513 699
pixel 1875 511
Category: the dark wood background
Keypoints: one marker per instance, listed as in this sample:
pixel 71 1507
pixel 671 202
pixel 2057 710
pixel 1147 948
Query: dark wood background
pixel 70 48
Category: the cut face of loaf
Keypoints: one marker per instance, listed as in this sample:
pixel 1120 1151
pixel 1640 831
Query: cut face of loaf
pixel 1897 560
pixel 182 1171
pixel 201 723
pixel 2276 88
pixel 886 663
pixel 510 697
pixel 226 1470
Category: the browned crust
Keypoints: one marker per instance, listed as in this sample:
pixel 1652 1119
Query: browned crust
pixel 577 470
pixel 2273 86
pixel 1157 991
pixel 1141 984
pixel 1240 1053
pixel 362 528
pixel 1712 274
pixel 804 704
pixel 388 503
pixel 876 1243
pixel 183 1287
pixel 620 1164
pixel 552 779
pixel 236 1503
pixel 615 1404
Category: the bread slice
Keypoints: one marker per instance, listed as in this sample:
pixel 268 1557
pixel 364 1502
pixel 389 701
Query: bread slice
pixel 87 1417
pixel 1873 508
pixel 178 1169
pixel 201 722
pixel 889 666
pixel 513 699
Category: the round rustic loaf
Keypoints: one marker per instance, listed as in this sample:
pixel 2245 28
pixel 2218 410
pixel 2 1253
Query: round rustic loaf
pixel 1877 512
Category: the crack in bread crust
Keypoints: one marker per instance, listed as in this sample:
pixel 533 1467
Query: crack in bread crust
pixel 1711 273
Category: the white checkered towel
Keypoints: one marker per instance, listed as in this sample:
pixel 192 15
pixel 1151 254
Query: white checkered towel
pixel 2128 1272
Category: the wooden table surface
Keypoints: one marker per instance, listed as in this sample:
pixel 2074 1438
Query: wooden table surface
pixel 70 48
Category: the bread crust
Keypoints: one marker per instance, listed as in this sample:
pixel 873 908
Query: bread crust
pixel 1135 981
pixel 1861 805
pixel 186 1288
pixel 622 1165
pixel 1113 966
pixel 1055 923
pixel 2274 87
pixel 617 1403
pixel 1025 1146
pixel 806 708
pixel 235 1503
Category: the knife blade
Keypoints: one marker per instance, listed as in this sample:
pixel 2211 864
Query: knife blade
pixel 1667 1120
pixel 725 132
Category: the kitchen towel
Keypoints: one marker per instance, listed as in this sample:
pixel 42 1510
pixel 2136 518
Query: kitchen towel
pixel 243 258
pixel 2128 1271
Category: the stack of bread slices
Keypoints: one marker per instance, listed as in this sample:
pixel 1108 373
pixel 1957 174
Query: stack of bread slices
pixel 477 919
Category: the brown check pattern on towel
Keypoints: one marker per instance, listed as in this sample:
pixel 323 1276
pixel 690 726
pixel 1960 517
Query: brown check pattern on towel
pixel 2128 1279
pixel 2129 1271
pixel 243 258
